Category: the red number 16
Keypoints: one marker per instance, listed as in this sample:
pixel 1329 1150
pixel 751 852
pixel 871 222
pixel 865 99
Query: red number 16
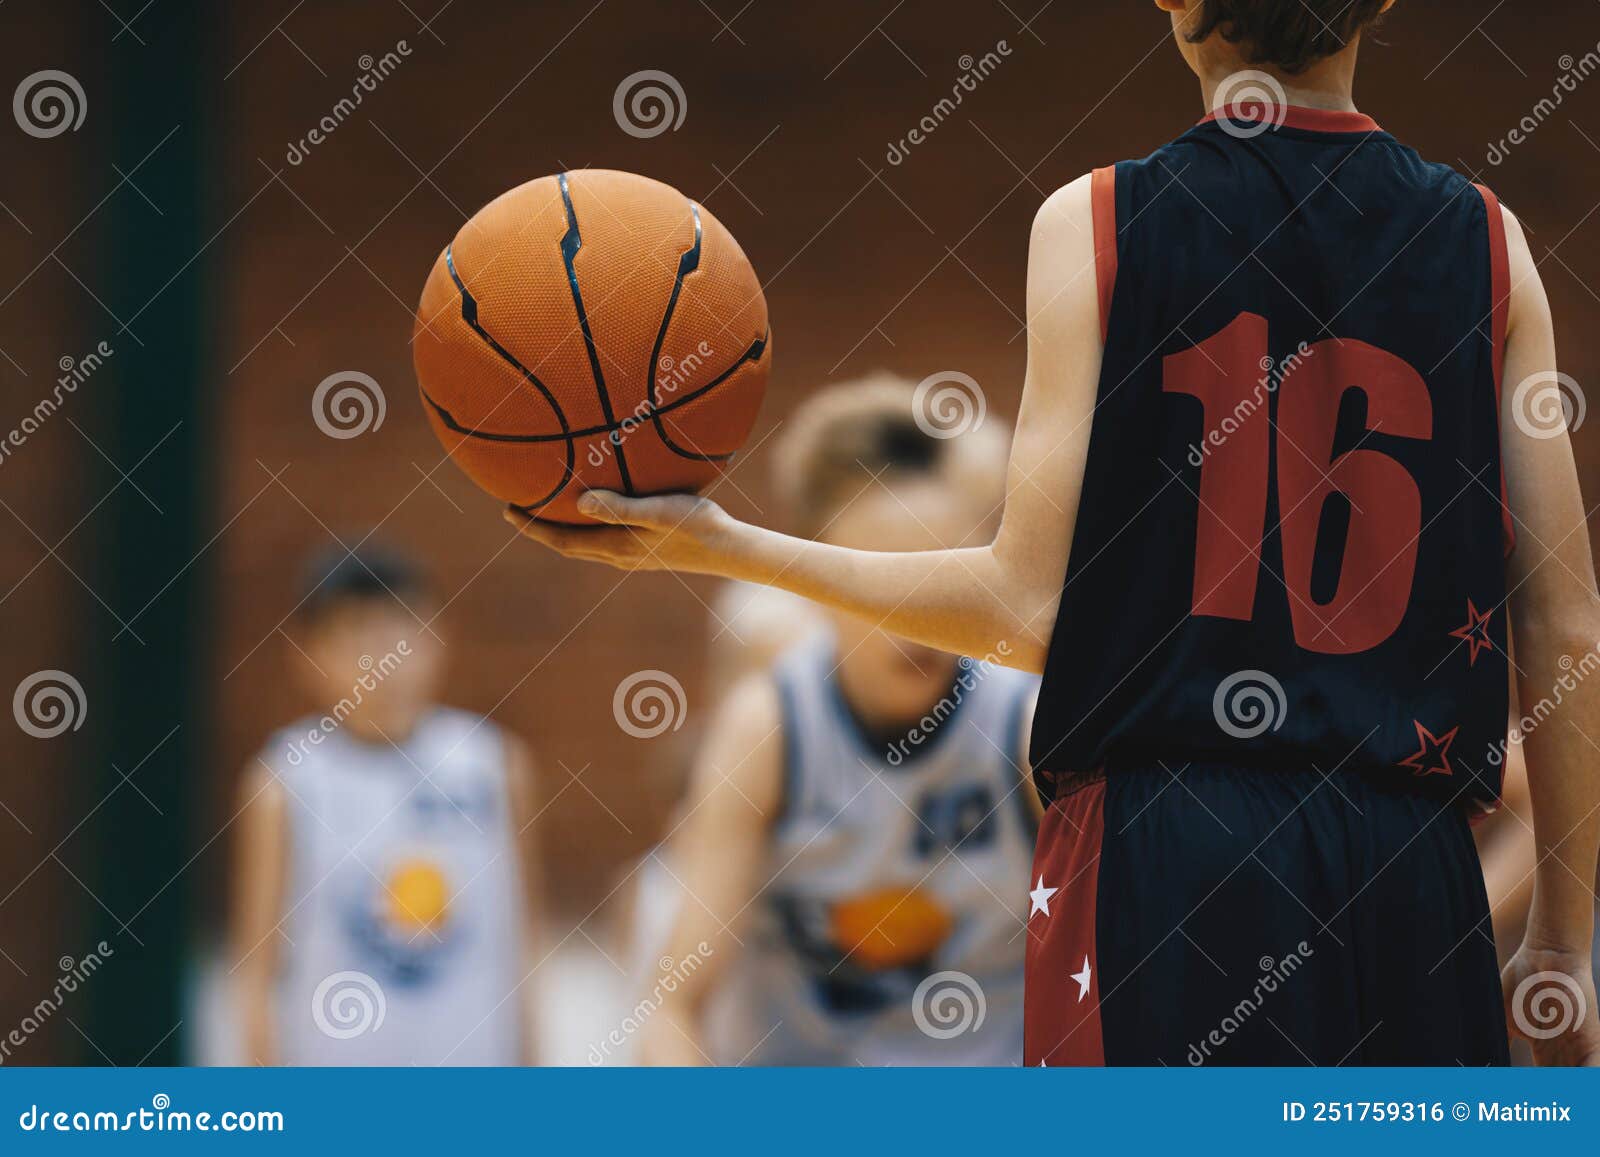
pixel 1380 555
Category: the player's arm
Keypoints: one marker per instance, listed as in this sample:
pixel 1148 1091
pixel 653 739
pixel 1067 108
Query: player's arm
pixel 261 864
pixel 964 601
pixel 523 799
pixel 719 858
pixel 1506 848
pixel 1555 618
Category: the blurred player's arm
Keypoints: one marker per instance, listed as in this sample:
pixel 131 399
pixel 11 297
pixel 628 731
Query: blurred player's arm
pixel 719 857
pixel 521 788
pixel 261 864
pixel 751 627
pixel 962 601
pixel 1555 617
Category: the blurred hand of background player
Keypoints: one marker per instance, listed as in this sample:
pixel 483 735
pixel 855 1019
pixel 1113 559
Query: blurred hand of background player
pixel 1546 989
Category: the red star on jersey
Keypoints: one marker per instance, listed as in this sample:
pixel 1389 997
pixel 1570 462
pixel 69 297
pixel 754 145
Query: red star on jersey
pixel 1475 632
pixel 1433 758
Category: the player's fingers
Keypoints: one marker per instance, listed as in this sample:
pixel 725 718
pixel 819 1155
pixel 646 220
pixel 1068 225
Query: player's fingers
pixel 565 540
pixel 663 512
pixel 612 546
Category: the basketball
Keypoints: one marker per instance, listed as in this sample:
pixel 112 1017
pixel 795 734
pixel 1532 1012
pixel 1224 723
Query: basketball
pixel 591 330
pixel 890 927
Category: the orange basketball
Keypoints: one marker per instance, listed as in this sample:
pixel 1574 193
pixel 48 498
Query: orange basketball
pixel 591 330
pixel 890 927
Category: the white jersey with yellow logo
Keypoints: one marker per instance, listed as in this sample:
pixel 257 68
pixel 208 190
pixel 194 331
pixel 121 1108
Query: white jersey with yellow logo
pixel 404 909
pixel 893 928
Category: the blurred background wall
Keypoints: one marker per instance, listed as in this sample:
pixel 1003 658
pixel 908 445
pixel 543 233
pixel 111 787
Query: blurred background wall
pixel 232 265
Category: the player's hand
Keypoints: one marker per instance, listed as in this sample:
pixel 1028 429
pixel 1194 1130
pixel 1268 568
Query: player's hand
pixel 1550 1003
pixel 679 532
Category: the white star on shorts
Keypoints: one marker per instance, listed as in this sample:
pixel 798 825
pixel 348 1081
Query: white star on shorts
pixel 1041 898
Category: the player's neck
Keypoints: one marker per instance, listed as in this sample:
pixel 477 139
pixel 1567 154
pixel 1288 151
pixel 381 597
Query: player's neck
pixel 1327 84
pixel 368 729
pixel 874 713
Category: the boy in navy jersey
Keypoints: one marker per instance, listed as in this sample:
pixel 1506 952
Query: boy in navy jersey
pixel 1279 499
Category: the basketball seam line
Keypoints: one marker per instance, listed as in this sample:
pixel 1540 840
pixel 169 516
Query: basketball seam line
pixel 687 264
pixel 753 354
pixel 469 314
pixel 571 242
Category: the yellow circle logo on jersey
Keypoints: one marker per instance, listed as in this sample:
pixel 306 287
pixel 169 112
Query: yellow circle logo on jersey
pixel 417 896
pixel 890 928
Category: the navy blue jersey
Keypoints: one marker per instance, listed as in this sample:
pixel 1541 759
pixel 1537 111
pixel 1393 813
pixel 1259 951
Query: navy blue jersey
pixel 1289 551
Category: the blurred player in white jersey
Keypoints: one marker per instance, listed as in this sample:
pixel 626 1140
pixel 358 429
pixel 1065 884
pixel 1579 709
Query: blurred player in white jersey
pixel 849 882
pixel 386 887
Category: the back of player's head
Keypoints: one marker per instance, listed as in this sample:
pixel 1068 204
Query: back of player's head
pixel 1290 35
pixel 369 576
pixel 854 436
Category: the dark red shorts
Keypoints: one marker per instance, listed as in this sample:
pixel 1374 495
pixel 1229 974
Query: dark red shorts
pixel 1212 915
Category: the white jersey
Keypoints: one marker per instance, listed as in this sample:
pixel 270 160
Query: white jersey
pixel 893 928
pixel 404 910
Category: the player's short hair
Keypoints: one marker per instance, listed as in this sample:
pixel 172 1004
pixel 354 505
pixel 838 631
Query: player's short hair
pixel 1290 34
pixel 337 577
pixel 849 437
